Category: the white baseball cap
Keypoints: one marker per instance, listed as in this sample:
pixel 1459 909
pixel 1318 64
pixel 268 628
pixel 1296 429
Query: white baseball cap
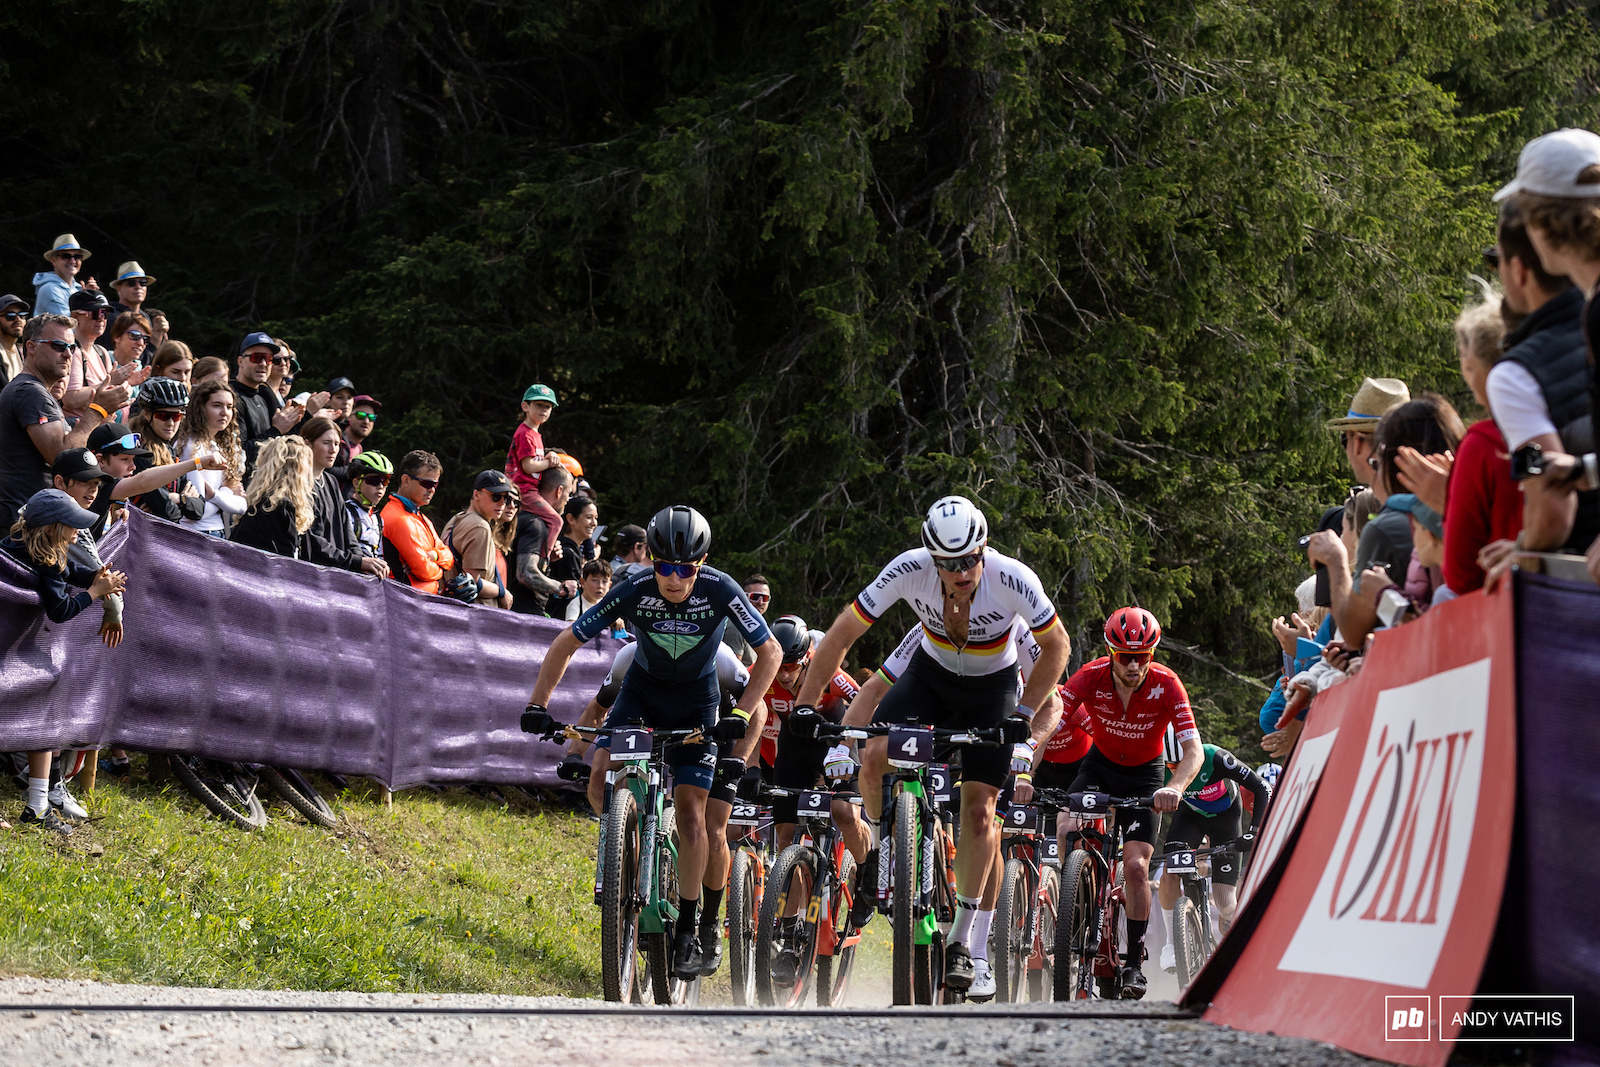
pixel 1550 165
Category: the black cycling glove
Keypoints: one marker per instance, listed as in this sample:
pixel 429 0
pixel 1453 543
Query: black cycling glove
pixel 538 720
pixel 732 728
pixel 572 768
pixel 1014 729
pixel 805 722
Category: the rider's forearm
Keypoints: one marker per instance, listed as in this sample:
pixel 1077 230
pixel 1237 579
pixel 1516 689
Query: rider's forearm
pixel 555 665
pixel 1054 649
pixel 746 748
pixel 825 661
pixel 1045 721
pixel 1193 757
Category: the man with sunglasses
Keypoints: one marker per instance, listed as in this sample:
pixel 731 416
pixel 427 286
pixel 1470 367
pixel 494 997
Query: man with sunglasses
pixel 13 317
pixel 1131 700
pixel 54 287
pixel 33 428
pixel 678 610
pixel 411 545
pixel 964 675
pixel 470 536
pixel 259 409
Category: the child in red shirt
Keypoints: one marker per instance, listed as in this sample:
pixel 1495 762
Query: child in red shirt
pixel 528 459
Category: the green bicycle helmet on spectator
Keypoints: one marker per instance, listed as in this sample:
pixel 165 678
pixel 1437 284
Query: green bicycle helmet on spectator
pixel 375 462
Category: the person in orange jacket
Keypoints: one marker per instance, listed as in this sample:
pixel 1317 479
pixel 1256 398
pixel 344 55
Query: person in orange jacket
pixel 411 546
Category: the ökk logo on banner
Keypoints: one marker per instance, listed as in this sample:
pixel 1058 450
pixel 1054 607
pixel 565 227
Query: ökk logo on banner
pixel 1382 907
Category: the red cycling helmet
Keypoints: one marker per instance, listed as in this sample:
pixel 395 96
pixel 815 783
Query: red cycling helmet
pixel 1132 630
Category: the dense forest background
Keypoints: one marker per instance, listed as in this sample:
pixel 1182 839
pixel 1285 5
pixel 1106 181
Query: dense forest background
pixel 1105 266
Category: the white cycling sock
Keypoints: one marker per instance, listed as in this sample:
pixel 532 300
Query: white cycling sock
pixel 979 945
pixel 39 795
pixel 966 915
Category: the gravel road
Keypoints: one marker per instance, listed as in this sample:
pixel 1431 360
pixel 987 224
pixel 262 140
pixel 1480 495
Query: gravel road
pixel 400 1033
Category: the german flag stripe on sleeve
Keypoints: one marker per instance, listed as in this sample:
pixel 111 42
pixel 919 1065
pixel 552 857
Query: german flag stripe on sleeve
pixel 1037 630
pixel 862 613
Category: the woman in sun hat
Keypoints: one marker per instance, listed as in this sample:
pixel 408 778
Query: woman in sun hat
pixel 54 287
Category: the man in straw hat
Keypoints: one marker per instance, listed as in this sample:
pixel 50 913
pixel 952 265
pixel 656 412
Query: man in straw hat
pixel 54 287
pixel 133 287
pixel 1374 400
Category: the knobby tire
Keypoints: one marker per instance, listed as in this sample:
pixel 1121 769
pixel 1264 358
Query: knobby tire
pixel 294 790
pixel 226 796
pixel 619 921
pixel 742 908
pixel 1011 941
pixel 833 972
pixel 907 859
pixel 1188 941
pixel 1075 941
pixel 1041 981
pixel 794 860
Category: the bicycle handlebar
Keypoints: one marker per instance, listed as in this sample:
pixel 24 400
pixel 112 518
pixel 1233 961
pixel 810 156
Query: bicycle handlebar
pixel 977 736
pixel 1244 840
pixel 657 737
pixel 1073 803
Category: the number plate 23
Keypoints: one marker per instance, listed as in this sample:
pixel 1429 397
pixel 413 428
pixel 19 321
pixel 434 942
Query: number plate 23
pixel 910 746
pixel 745 815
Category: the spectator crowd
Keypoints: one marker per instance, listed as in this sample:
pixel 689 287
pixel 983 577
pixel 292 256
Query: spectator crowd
pixel 1442 508
pixel 102 410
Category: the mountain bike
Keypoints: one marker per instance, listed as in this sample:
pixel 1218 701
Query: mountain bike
pixel 295 789
pixel 1192 943
pixel 230 791
pixel 1022 942
pixel 806 908
pixel 636 867
pixel 1091 928
pixel 916 866
pixel 747 884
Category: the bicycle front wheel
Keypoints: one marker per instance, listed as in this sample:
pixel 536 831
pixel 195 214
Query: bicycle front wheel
pixel 1011 940
pixel 789 942
pixel 833 972
pixel 227 792
pixel 295 790
pixel 907 853
pixel 742 908
pixel 1188 940
pixel 1076 939
pixel 619 913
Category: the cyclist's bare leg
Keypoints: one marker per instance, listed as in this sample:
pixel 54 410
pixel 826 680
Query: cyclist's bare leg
pixel 1171 886
pixel 1136 878
pixel 718 856
pixel 991 884
pixel 979 842
pixel 690 802
pixel 1226 897
pixel 874 765
pixel 600 762
pixel 851 829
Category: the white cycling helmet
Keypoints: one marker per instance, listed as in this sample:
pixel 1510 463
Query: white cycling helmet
pixel 954 528
pixel 1171 751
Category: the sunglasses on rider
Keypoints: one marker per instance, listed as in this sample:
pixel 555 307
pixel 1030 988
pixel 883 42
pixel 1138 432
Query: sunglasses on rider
pixel 959 564
pixel 1133 657
pixel 377 481
pixel 682 570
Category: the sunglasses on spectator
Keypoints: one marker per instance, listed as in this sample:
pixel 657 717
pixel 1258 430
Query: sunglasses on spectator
pixel 259 357
pixel 288 381
pixel 759 598
pixel 959 564
pixel 499 498
pixel 16 314
pixel 682 570
pixel 59 346
pixel 127 440
pixel 366 416
pixel 70 255
pixel 100 313
pixel 138 335
pixel 378 481
pixel 427 483
pixel 167 416
pixel 1133 657
pixel 280 361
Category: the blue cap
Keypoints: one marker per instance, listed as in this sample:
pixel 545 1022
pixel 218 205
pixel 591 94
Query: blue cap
pixel 258 338
pixel 52 505
pixel 1425 515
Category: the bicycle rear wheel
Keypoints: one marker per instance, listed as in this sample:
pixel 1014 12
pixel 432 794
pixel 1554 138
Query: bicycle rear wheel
pixel 227 791
pixel 1011 940
pixel 619 913
pixel 1188 940
pixel 793 877
pixel 907 853
pixel 742 909
pixel 1041 979
pixel 1076 939
pixel 295 790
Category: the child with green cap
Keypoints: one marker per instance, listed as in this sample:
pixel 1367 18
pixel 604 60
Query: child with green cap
pixel 528 459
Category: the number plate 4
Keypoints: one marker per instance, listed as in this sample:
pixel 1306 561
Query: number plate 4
pixel 910 746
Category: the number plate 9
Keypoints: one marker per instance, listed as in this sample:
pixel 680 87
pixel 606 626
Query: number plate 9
pixel 1022 818
pixel 910 746
pixel 630 744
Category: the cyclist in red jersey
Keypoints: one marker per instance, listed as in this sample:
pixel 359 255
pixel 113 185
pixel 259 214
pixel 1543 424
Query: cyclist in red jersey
pixel 1130 700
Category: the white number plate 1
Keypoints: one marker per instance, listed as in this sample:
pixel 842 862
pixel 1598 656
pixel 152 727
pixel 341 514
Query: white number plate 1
pixel 630 744
pixel 745 814
pixel 1179 862
pixel 939 778
pixel 910 746
pixel 1023 818
pixel 813 803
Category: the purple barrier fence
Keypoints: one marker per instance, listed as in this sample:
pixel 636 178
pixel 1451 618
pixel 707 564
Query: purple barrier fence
pixel 237 654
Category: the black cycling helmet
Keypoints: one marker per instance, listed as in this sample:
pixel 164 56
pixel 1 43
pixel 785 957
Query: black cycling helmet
pixel 163 393
pixel 794 636
pixel 678 534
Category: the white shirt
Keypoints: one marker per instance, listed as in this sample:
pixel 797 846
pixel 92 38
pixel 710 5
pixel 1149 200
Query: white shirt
pixel 220 498
pixel 1008 591
pixel 1517 404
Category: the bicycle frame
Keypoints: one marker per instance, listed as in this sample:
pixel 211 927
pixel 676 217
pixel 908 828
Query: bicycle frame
pixel 1026 846
pixel 819 909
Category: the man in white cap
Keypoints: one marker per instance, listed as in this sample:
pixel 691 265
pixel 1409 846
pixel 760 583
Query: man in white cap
pixel 54 287
pixel 1539 392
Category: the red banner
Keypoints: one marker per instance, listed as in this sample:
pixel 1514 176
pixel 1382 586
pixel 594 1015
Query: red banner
pixel 1392 889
